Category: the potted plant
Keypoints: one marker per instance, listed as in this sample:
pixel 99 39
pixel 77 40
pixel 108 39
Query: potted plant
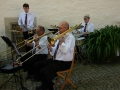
pixel 102 45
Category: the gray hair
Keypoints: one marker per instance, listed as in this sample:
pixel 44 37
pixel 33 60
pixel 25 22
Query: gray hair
pixel 41 28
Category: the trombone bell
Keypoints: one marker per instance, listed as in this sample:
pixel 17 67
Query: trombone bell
pixel 51 41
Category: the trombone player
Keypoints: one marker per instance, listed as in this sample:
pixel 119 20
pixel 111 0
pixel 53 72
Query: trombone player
pixel 62 58
pixel 40 43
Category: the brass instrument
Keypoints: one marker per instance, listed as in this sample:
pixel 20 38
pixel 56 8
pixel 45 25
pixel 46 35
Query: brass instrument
pixel 50 40
pixel 53 40
pixel 27 41
pixel 18 62
pixel 31 31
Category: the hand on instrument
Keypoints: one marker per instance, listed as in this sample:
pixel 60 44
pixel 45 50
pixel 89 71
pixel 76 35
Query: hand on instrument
pixel 34 37
pixel 26 42
pixel 49 46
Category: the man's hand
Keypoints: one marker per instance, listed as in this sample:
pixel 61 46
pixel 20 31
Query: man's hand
pixel 35 37
pixel 26 42
pixel 49 46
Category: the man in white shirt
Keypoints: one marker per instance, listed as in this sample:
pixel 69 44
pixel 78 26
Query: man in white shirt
pixel 25 21
pixel 88 26
pixel 62 58
pixel 39 56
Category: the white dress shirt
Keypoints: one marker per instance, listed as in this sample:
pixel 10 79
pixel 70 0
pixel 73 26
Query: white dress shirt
pixel 42 43
pixel 89 28
pixel 30 20
pixel 66 49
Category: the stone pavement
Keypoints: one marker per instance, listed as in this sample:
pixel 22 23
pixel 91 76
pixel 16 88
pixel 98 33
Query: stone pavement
pixel 85 77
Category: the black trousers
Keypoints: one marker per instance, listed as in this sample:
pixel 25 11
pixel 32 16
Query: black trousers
pixel 26 36
pixel 46 71
pixel 28 65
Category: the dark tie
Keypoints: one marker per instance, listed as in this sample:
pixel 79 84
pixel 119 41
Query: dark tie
pixel 26 19
pixel 56 51
pixel 85 27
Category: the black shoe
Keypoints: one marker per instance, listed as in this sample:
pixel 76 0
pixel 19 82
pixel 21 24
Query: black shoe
pixel 28 76
pixel 38 88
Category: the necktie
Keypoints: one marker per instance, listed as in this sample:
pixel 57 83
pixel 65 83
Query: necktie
pixel 85 27
pixel 56 51
pixel 26 19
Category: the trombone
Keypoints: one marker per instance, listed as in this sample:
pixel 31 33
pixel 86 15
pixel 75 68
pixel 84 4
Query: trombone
pixel 18 62
pixel 52 41
pixel 27 41
pixel 16 45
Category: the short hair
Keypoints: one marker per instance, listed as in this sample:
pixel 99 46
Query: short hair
pixel 41 28
pixel 26 5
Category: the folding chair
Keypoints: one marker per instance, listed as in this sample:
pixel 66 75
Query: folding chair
pixel 66 78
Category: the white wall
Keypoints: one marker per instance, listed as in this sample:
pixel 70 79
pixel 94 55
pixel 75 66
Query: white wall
pixel 51 12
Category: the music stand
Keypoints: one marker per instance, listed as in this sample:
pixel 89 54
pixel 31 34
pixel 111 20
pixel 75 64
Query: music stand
pixel 13 68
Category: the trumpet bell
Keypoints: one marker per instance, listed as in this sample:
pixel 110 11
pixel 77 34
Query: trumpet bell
pixel 51 41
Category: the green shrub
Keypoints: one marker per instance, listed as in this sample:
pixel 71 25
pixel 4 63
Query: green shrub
pixel 102 45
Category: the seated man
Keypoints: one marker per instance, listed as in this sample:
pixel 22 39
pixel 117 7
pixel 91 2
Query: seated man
pixel 62 58
pixel 88 26
pixel 42 55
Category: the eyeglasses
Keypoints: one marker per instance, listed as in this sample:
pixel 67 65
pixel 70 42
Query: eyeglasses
pixel 60 27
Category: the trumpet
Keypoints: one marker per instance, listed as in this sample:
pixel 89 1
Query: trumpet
pixel 53 40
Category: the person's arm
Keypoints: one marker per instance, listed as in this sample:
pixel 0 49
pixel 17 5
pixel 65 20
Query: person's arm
pixel 30 25
pixel 65 45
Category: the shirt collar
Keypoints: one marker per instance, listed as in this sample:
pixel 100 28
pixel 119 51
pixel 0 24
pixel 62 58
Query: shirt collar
pixel 26 13
pixel 87 23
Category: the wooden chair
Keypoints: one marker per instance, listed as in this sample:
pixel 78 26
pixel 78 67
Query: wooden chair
pixel 66 78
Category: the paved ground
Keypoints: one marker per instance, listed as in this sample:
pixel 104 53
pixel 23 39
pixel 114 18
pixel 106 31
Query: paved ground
pixel 85 77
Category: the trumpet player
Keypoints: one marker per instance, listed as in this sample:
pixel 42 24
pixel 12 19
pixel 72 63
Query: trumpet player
pixel 62 58
pixel 40 43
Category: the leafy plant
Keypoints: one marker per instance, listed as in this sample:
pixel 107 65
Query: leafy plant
pixel 102 45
